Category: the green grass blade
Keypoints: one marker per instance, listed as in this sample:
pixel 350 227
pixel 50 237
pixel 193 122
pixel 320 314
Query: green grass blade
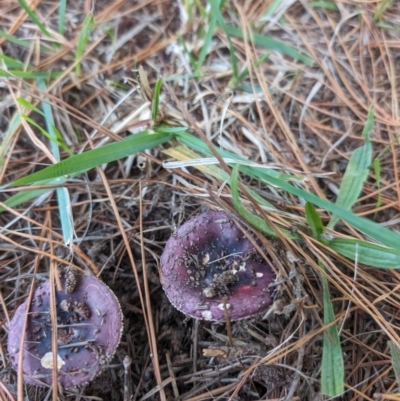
pixel 385 25
pixel 183 153
pixel 327 5
pixel 253 88
pixel 395 352
pixel 200 8
pixel 87 27
pixel 34 18
pixel 66 216
pixel 96 157
pixel 15 40
pixel 12 126
pixel 10 62
pixel 353 180
pixel 178 77
pixel 198 144
pixel 272 44
pixel 208 38
pixel 232 55
pixel 54 132
pixel 383 6
pixel 356 172
pixel 245 72
pixel 166 129
pixel 64 202
pixel 29 74
pixel 367 253
pixel 156 100
pixel 314 221
pixel 376 164
pixel 255 221
pixel 61 16
pixel 215 9
pixel 271 9
pixel 192 60
pixel 28 105
pixel 29 194
pixel 369 125
pixel 379 233
pixel 377 171
pixel 332 369
pixel 46 134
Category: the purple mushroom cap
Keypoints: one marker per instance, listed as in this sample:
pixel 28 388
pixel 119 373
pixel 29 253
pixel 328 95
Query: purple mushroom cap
pixel 209 266
pixel 89 321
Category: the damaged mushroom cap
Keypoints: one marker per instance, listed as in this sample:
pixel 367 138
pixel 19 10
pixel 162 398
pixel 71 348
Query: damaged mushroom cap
pixel 89 321
pixel 209 264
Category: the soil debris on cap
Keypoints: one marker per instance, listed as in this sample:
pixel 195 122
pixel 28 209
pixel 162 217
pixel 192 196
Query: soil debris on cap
pixel 210 262
pixel 89 323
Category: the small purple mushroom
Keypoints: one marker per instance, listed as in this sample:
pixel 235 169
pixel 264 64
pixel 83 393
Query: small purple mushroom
pixel 89 321
pixel 209 265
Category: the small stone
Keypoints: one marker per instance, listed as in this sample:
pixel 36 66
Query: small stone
pixel 47 361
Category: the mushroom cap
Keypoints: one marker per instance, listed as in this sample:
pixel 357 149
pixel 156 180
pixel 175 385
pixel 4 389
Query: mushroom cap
pixel 89 323
pixel 209 264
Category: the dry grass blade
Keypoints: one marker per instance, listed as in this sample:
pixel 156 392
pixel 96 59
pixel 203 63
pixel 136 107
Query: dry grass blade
pixel 147 307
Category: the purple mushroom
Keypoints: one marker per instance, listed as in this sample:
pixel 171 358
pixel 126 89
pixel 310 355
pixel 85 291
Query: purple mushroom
pixel 89 322
pixel 209 266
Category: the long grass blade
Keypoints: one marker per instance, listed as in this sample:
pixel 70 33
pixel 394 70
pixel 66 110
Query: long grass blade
pixel 235 81
pixel 314 221
pixel 271 9
pixel 97 157
pixel 255 221
pixel 327 5
pixel 386 25
pixel 64 201
pixel 356 172
pixel 395 353
pixel 183 153
pixel 33 16
pixel 156 100
pixel 215 9
pixel 28 105
pixel 212 22
pixel 29 194
pixel 381 9
pixel 377 170
pixel 366 253
pixel 52 138
pixel 375 231
pixel 199 145
pixel 15 40
pixel 379 233
pixel 270 43
pixel 87 27
pixel 12 126
pixel 29 74
pixel 376 164
pixel 332 369
pixel 11 62
pixel 61 16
